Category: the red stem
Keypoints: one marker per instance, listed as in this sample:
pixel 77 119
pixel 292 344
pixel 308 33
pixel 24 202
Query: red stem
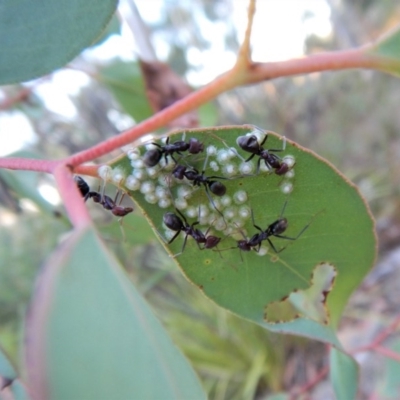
pixel 190 102
pixel 28 164
pixel 387 353
pixel 380 338
pixel 255 72
pixel 309 385
pixel 335 60
pixel 73 202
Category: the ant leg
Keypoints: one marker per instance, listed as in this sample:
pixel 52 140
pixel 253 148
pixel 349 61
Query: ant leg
pixel 213 204
pixel 293 238
pixel 283 146
pixel 283 208
pixel 254 224
pixel 183 247
pixel 249 158
pixel 183 217
pixel 174 237
pixel 273 247
pixel 258 165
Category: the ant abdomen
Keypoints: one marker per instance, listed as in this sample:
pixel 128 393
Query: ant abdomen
pixel 172 221
pixel 248 143
pixel 152 157
pixel 217 188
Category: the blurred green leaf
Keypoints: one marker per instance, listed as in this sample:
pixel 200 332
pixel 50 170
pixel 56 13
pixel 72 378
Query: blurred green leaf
pixel 25 185
pixel 278 396
pixel 112 28
pixel 391 387
pixel 344 375
pixel 95 336
pixel 126 83
pixel 208 114
pixel 6 369
pixel 134 230
pixel 38 37
pixel 14 387
pixel 387 49
pixel 18 390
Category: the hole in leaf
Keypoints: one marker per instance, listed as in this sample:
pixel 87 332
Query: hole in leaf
pixel 309 303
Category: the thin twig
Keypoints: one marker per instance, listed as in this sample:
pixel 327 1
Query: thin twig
pixel 244 56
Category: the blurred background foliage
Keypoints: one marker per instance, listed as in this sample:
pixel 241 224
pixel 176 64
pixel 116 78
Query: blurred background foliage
pixel 351 118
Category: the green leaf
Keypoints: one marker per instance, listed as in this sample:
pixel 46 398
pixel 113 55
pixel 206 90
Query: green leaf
pixel 91 335
pixel 38 37
pixel 25 183
pixel 387 50
pixel 340 231
pixel 9 375
pixel 344 375
pixel 135 230
pixel 6 368
pixel 126 83
pixel 391 384
pixel 112 28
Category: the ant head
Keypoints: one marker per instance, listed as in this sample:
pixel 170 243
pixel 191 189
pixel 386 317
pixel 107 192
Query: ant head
pixel 172 221
pixel 195 146
pixel 179 171
pixel 248 143
pixel 152 157
pixel 218 188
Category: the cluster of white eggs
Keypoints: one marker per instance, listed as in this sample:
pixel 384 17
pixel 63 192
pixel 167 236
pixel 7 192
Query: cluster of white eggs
pixel 227 214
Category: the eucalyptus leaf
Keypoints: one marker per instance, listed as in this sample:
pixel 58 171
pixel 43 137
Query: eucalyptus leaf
pixel 38 37
pixel 339 229
pixel 92 336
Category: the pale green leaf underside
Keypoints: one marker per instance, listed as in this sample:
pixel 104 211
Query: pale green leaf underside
pixel 100 339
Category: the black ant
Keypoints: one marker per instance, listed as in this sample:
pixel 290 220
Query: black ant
pixel 109 204
pixel 198 179
pixel 106 201
pixel 275 229
pixel 180 224
pixel 272 161
pixel 152 157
